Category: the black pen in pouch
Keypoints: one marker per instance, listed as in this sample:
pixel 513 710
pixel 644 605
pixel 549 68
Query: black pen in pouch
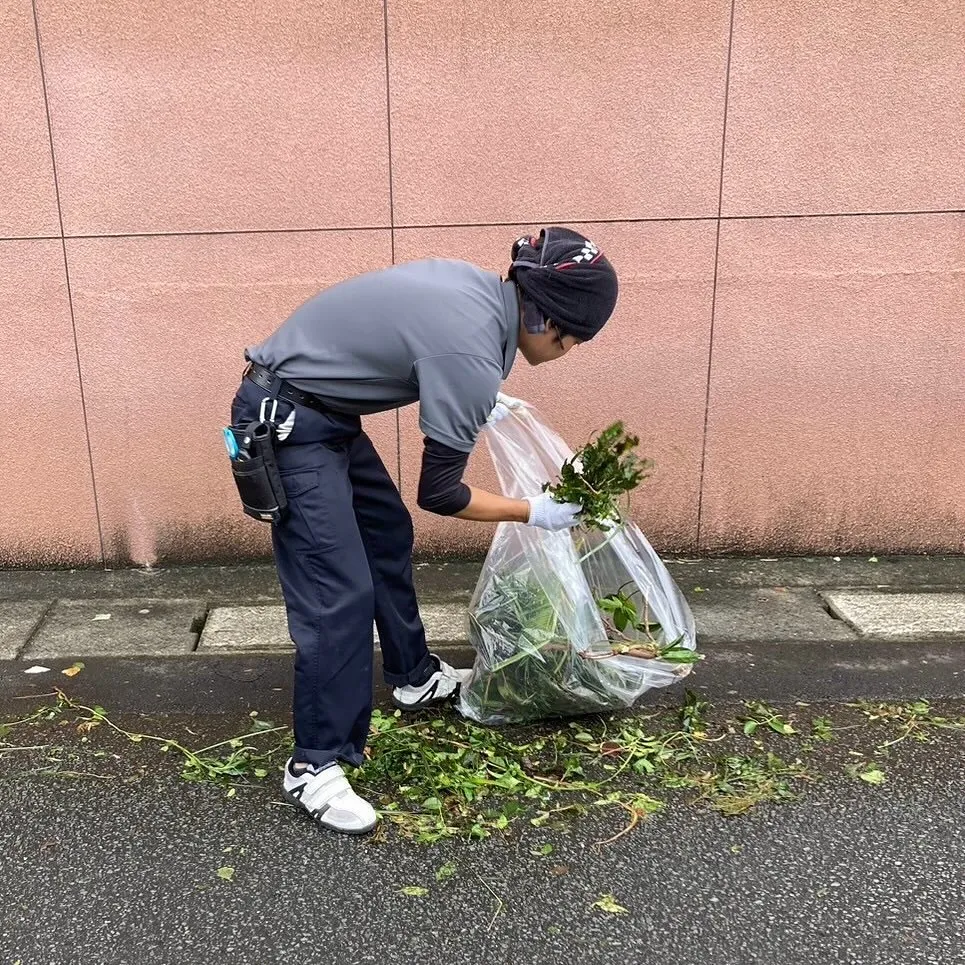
pixel 257 476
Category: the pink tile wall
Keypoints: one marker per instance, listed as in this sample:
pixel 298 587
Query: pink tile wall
pixel 28 204
pixel 850 106
pixel 508 111
pixel 48 516
pixel 648 367
pixel 193 117
pixel 838 393
pixel 836 406
pixel 162 325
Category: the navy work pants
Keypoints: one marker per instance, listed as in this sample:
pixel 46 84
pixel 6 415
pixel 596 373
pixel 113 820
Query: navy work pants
pixel 344 557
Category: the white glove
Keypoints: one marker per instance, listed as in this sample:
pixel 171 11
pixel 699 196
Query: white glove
pixel 504 405
pixel 546 513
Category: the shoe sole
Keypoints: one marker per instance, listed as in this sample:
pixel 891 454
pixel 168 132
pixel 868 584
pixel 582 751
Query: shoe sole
pixel 357 833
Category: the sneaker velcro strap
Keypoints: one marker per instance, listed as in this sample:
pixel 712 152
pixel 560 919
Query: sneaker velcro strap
pixel 321 789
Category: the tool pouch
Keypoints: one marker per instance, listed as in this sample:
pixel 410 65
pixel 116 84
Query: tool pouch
pixel 256 473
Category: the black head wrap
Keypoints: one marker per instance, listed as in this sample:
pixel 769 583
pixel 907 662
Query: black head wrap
pixel 567 278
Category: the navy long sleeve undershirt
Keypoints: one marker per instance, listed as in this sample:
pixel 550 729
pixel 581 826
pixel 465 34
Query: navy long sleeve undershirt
pixel 441 489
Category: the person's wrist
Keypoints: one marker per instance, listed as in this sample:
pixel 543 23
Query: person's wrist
pixel 524 511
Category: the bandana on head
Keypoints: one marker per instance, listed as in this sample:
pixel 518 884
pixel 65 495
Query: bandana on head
pixel 567 278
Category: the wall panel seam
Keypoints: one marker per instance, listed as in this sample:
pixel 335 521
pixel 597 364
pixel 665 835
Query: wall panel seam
pixel 394 229
pixel 70 297
pixel 388 132
pixel 713 299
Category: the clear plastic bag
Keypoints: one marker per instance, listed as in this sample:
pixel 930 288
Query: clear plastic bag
pixel 544 647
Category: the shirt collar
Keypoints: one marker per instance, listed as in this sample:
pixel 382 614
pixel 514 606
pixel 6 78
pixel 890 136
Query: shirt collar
pixel 511 325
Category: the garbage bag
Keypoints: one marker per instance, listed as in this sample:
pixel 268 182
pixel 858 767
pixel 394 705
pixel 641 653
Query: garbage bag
pixel 546 615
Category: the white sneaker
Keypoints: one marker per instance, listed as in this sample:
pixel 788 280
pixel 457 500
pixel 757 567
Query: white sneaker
pixel 328 797
pixel 443 685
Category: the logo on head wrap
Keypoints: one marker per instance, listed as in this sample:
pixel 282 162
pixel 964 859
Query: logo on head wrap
pixel 586 256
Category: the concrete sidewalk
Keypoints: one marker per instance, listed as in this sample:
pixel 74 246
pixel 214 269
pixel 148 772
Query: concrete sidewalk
pixel 815 627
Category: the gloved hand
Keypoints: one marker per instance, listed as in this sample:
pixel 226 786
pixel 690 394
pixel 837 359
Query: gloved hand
pixel 546 513
pixel 504 405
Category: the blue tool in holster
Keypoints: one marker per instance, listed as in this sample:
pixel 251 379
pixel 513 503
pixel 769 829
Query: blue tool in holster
pixel 251 450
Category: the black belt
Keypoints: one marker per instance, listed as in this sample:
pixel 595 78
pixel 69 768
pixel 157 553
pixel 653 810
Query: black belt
pixel 280 389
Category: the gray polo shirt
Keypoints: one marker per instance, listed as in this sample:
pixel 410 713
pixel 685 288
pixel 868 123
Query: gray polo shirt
pixel 443 333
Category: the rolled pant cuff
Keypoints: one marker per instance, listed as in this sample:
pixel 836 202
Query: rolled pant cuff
pixel 347 755
pixel 419 675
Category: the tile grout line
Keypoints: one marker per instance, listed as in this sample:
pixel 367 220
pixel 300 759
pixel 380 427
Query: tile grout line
pixel 388 132
pixel 70 296
pixel 713 300
pixel 487 224
pixel 388 125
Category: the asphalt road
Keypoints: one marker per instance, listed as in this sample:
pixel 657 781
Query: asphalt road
pixel 95 870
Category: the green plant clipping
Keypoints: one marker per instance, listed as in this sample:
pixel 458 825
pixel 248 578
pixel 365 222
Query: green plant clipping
pixel 414 891
pixel 439 776
pixel 601 475
pixel 631 634
pixel 610 905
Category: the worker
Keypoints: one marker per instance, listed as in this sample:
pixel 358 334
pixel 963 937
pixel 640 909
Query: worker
pixel 443 333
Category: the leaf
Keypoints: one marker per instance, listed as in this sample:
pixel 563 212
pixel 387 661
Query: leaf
pixel 413 891
pixel 750 726
pixel 227 874
pixel 542 851
pixel 261 772
pixel 873 776
pixel 73 670
pixel 446 872
pixel 675 654
pixel 609 904
pixel 781 727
